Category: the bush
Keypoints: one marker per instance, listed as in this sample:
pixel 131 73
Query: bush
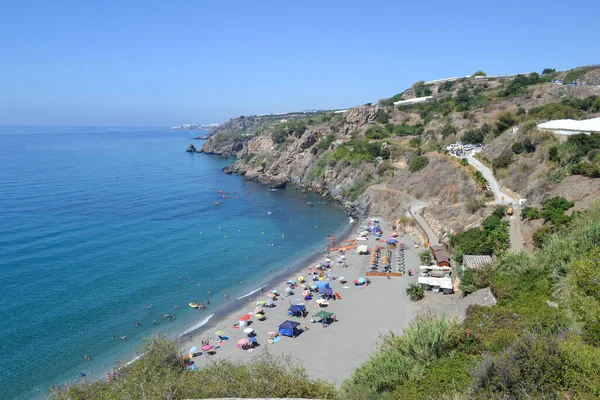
pixel 502 161
pixel 472 136
pixel 475 204
pixel 532 367
pixel 415 291
pixel 279 137
pixel 401 358
pixel 160 373
pixel 317 172
pixel 417 163
pixel 446 86
pixel 421 90
pixel 376 133
pixel 479 73
pixel 519 84
pixel 425 257
pixel 326 142
pixel 464 162
pixel 382 116
pixel 475 279
pixel 531 213
pixel 554 211
pixel 523 146
pixel 505 120
pixel 404 129
pixel 357 188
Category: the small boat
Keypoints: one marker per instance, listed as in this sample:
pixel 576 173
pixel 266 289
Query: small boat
pixel 193 305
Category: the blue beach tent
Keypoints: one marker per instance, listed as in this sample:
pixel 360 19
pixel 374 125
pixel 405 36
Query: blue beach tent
pixel 322 285
pixel 297 309
pixel 327 291
pixel 289 328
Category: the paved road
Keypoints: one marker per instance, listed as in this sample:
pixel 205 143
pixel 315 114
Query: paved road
pixel 414 211
pixel 499 196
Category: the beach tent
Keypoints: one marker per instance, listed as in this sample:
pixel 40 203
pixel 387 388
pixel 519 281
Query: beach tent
pixel 326 291
pixel 391 241
pixel 322 285
pixel 297 309
pixel 269 302
pixel 289 328
pixel 374 230
pixel 323 314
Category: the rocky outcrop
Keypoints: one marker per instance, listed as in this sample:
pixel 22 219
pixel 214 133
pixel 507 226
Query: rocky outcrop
pixel 224 145
pixel 191 149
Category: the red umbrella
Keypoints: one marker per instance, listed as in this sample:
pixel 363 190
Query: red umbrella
pixel 244 317
pixel 242 342
pixel 206 347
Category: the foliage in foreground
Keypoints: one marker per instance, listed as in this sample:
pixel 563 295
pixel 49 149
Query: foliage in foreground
pixel 161 374
pixel 402 358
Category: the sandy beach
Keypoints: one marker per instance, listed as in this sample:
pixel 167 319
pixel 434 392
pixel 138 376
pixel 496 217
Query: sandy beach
pixel 331 352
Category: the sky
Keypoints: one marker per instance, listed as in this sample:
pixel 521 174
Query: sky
pixel 162 63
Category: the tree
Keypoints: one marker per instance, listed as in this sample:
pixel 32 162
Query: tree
pixel 548 71
pixel 479 73
pixel 418 163
pixel 415 292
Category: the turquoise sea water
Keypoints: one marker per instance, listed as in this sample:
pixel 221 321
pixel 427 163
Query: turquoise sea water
pixel 95 223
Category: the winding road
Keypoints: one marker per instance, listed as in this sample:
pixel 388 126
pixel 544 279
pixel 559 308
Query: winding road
pixel 501 198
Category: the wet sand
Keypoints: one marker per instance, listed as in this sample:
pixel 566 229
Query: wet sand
pixel 331 352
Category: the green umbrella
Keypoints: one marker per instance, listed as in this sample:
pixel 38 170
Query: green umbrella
pixel 219 333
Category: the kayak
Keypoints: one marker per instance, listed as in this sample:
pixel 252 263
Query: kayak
pixel 193 305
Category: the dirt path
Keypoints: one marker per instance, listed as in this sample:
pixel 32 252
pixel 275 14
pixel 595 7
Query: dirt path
pixel 516 237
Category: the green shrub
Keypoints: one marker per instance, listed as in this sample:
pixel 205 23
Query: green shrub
pixel 404 129
pixel 446 86
pixel 475 279
pixel 531 213
pixel 554 211
pixel 479 73
pixel 502 161
pixel 464 162
pixel 519 84
pixel 359 150
pixel 417 163
pixel 401 358
pixel 357 188
pixel 279 136
pixel 421 90
pixel 523 146
pixel 472 136
pixel 326 142
pixel 317 172
pixel 376 133
pixel 382 116
pixel 506 120
pixel 576 73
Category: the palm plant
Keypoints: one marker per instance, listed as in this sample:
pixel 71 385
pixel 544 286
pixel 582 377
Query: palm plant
pixel 415 292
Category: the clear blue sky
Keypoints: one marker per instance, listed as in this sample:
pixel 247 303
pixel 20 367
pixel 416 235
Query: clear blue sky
pixel 177 61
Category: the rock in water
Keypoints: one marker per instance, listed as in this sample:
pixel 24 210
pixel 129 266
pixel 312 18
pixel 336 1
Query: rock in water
pixel 191 149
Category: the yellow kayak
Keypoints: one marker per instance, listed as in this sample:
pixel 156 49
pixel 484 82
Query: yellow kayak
pixel 193 305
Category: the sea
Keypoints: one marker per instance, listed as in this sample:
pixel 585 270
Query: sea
pixel 103 227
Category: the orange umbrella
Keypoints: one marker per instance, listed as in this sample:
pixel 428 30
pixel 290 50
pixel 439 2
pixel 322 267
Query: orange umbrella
pixel 244 317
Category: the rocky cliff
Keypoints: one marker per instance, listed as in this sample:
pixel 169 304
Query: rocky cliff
pixel 381 158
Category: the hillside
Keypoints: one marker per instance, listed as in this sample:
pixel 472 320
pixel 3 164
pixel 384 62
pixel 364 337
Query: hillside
pixel 401 148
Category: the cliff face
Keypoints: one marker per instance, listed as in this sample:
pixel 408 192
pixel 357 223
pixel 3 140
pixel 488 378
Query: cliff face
pixel 308 156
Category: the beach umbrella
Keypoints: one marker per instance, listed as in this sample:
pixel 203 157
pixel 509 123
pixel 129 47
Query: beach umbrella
pixel 242 342
pixel 272 295
pixel 269 302
pixel 259 315
pixel 287 289
pixel 248 330
pixel 361 280
pixel 301 279
pixel 274 291
pixel 252 340
pixel 206 347
pixel 219 333
pixel 261 303
pixel 244 317
pixel 258 310
pixel 306 293
pixel 193 350
pixel 321 301
pixel 290 282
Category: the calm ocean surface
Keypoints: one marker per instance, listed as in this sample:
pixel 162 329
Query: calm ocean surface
pixel 95 223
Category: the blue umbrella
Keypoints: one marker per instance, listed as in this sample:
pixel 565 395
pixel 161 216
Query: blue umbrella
pixel 252 339
pixel 361 280
pixel 193 350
